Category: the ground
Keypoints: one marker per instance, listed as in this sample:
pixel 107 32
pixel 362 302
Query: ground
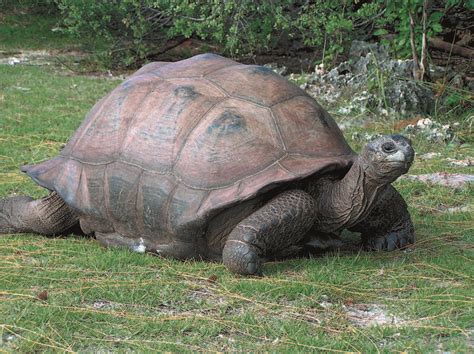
pixel 69 294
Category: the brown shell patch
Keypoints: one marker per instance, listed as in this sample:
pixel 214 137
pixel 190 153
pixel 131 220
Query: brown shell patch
pixel 153 198
pixel 197 66
pixel 307 129
pixel 182 209
pixel 256 84
pixel 302 166
pixel 121 187
pixel 234 140
pixel 100 137
pixel 162 124
pixel 90 196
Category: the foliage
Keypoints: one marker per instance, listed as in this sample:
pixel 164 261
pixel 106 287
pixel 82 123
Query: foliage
pixel 139 29
pixel 397 12
pixel 331 24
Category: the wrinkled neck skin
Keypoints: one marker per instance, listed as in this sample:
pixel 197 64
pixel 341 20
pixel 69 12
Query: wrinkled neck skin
pixel 344 203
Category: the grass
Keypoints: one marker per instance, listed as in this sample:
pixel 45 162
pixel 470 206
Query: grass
pixel 38 39
pixel 32 31
pixel 101 299
pixel 23 30
pixel 69 294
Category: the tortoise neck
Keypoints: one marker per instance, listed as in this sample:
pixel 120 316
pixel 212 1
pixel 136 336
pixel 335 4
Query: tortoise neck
pixel 349 200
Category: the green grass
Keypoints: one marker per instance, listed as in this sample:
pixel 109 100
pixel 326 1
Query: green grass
pixel 115 300
pixel 33 31
pixel 39 39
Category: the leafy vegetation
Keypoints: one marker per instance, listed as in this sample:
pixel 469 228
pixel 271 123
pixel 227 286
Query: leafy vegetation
pixel 135 30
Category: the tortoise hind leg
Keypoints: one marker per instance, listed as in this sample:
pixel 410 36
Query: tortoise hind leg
pixel 47 216
pixel 276 228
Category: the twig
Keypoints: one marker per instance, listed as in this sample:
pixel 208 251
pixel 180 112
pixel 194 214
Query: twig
pixel 416 63
pixel 438 43
pixel 67 66
pixel 167 47
pixel 424 47
pixel 370 20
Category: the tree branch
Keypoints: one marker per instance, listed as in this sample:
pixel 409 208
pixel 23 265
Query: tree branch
pixel 416 62
pixel 438 43
pixel 424 70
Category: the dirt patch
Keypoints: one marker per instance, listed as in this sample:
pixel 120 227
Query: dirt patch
pixel 450 180
pixel 103 305
pixel 206 296
pixel 469 162
pixel 367 315
pixel 39 57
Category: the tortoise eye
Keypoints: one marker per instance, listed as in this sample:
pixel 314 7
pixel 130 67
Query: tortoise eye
pixel 388 147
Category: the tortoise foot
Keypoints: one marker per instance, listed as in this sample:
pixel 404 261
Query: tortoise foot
pixel 389 242
pixel 242 258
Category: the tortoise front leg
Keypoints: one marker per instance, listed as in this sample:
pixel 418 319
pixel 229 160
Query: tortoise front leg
pixel 388 226
pixel 279 225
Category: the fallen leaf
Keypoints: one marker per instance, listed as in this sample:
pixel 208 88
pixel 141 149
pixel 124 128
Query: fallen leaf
pixel 402 124
pixel 212 278
pixel 349 301
pixel 42 295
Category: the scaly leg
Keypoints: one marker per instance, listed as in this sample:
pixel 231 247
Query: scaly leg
pixel 388 226
pixel 47 216
pixel 279 225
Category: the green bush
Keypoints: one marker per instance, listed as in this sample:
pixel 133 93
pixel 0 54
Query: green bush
pixel 137 29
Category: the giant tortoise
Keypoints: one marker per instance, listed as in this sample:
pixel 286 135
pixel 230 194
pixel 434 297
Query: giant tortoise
pixel 211 159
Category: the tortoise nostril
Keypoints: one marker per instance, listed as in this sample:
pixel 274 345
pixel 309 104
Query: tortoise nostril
pixel 388 147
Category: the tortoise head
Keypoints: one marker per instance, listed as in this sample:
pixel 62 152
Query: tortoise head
pixel 387 158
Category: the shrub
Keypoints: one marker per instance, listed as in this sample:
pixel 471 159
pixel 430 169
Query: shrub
pixel 136 29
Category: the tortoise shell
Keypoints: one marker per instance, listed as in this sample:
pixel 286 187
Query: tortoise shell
pixel 177 142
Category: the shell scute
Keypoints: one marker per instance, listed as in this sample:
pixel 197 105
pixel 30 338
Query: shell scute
pixel 255 84
pixel 234 140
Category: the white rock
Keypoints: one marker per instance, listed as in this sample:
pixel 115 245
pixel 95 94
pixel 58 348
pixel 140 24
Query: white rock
pixel 424 123
pixel 13 61
pixel 429 155
pixel 452 180
pixel 460 163
pixel 140 248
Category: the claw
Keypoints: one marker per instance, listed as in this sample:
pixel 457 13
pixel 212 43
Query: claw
pixel 392 242
pixel 379 243
pixel 403 242
pixel 389 242
pixel 242 258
